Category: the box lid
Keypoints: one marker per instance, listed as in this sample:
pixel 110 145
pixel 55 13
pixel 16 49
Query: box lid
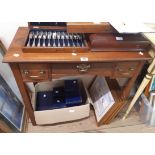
pixel 46 24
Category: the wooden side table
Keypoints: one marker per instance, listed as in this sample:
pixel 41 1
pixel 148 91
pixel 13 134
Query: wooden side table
pixel 36 67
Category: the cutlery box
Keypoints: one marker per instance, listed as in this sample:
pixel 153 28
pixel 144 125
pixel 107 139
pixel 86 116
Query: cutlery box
pixel 68 95
pixel 118 42
pixel 46 101
pixel 72 93
pixel 34 27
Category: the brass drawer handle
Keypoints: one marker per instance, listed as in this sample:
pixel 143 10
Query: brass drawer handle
pixel 83 67
pixel 26 72
pixel 120 69
pixel 42 72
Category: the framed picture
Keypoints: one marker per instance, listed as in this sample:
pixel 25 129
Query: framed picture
pixel 152 85
pixel 12 111
pixel 152 98
pixel 2 49
pixel 102 99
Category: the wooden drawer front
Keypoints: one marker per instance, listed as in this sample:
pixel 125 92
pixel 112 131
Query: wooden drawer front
pixel 125 69
pixel 105 69
pixel 34 72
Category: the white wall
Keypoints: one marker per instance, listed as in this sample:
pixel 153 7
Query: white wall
pixel 7 32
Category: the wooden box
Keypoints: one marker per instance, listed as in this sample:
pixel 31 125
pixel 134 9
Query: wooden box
pixel 118 42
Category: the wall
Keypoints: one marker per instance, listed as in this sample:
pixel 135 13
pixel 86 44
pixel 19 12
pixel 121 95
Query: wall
pixel 7 32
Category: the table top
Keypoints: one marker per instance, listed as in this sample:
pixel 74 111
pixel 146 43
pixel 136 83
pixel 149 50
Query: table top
pixel 16 55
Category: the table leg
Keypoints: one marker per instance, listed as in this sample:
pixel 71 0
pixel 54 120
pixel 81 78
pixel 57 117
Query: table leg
pixel 22 87
pixel 131 82
pixel 151 72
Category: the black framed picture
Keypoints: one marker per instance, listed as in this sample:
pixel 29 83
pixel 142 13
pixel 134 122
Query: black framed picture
pixel 12 111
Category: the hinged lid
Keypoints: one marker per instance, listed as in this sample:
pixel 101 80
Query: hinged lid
pixel 47 25
pixel 89 27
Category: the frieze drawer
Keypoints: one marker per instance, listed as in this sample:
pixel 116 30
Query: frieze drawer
pixel 71 69
pixel 125 69
pixel 34 72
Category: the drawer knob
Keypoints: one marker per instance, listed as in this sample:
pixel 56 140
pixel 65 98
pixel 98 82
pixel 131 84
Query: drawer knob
pixel 26 72
pixel 34 76
pixel 131 69
pixel 83 67
pixel 42 72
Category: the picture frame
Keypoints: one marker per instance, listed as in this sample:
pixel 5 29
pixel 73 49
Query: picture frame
pixel 152 98
pixel 2 48
pixel 12 111
pixel 101 96
pixel 152 85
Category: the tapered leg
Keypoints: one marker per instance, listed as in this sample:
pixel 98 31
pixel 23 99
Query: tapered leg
pixel 23 90
pixel 131 82
pixel 151 72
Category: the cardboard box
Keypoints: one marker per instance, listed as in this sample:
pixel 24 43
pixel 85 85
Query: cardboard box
pixel 63 114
